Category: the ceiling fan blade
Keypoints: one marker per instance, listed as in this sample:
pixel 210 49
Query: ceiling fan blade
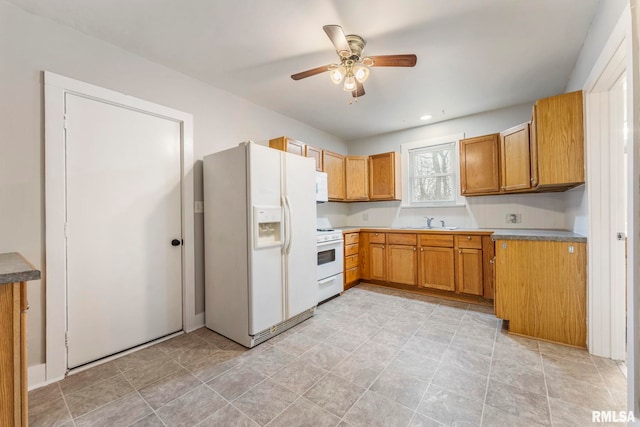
pixel 394 60
pixel 311 72
pixel 336 35
pixel 359 90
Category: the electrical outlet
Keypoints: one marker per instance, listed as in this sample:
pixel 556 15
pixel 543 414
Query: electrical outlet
pixel 199 207
pixel 365 217
pixel 513 218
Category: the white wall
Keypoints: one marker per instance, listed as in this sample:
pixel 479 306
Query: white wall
pixel 545 210
pixel 604 21
pixel 29 45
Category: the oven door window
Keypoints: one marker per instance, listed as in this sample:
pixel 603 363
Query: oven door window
pixel 326 257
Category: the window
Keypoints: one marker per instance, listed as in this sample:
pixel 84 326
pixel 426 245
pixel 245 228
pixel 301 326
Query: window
pixel 431 172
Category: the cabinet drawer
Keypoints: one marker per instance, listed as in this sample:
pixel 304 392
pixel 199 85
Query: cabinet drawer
pixel 350 261
pixel 377 238
pixel 350 250
pixel 472 242
pixel 402 239
pixel 438 240
pixel 351 275
pixel 350 238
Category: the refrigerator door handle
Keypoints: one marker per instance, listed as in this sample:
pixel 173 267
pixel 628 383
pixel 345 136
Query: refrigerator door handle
pixel 288 224
pixel 285 237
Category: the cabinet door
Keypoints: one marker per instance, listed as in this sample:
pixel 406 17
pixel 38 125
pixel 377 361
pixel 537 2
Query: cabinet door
pixel 469 271
pixel 316 154
pixel 515 158
pixel 479 165
pixel 364 258
pixel 357 177
pixel 437 268
pixel 333 164
pixel 403 264
pixel 377 261
pixel 384 180
pixel 287 144
pixel 560 140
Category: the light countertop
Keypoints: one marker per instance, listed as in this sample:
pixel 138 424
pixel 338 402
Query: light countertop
pixel 14 268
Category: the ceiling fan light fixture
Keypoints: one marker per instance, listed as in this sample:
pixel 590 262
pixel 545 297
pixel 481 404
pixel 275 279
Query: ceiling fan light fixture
pixel 337 74
pixel 349 83
pixel 361 73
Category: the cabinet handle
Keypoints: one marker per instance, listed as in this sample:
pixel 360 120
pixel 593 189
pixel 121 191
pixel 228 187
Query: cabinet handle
pixel 376 234
pixel 382 246
pixel 491 261
pixel 468 237
pixel 459 251
pixel 464 190
pixel 421 249
pixel 414 248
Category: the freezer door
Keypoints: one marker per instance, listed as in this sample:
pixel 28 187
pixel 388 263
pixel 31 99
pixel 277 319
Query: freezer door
pixel 266 287
pixel 300 241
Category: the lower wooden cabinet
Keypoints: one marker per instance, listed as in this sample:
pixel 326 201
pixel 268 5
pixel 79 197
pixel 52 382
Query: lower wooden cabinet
pixel 351 259
pixel 469 271
pixel 402 258
pixel 377 261
pixel 13 354
pixel 541 289
pixel 437 270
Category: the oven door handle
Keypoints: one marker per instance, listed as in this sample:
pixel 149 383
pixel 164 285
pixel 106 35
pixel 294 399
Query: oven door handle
pixel 330 242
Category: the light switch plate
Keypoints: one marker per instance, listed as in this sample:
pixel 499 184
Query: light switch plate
pixel 199 207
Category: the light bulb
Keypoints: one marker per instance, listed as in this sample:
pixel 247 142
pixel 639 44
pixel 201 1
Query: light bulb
pixel 337 75
pixel 361 73
pixel 349 83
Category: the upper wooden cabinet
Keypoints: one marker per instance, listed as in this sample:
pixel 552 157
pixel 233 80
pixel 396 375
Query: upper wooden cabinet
pixel 515 158
pixel 287 144
pixel 333 165
pixel 316 154
pixel 357 177
pixel 479 165
pixel 384 177
pixel 559 141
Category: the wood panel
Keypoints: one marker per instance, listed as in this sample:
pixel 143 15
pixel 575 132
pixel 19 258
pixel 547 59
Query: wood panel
pixel 560 140
pixel 469 241
pixel 377 237
pixel 541 289
pixel 384 177
pixel 515 158
pixel 316 154
pixel 441 240
pixel 402 264
pixel 480 165
pixel 437 268
pixel 357 177
pixel 402 239
pixel 351 275
pixel 377 261
pixel 469 271
pixel 350 261
pixel 333 164
pixel 287 144
pixel 488 267
pixel 351 249
pixel 350 238
pixel 12 348
pixel 363 257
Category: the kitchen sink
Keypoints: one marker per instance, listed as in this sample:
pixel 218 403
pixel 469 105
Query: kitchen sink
pixel 424 227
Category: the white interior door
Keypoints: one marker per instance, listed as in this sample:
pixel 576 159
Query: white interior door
pixel 124 277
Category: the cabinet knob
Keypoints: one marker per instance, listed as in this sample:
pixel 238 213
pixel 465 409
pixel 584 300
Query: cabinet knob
pixel 468 237
pixel 464 190
pixel 414 248
pixel 421 249
pixel 459 251
pixel 376 234
pixel 382 246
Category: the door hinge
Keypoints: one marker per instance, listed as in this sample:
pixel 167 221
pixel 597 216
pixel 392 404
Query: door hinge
pixel 621 236
pixel 66 230
pixel 65 122
pixel 66 339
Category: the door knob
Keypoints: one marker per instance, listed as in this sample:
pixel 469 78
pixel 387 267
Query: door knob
pixel 176 242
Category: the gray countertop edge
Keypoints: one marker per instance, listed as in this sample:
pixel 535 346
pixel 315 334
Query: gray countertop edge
pixel 553 235
pixel 15 268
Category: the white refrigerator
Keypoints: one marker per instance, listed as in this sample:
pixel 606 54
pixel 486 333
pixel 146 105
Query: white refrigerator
pixel 260 242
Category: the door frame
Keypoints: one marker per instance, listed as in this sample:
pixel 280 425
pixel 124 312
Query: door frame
pixel 55 88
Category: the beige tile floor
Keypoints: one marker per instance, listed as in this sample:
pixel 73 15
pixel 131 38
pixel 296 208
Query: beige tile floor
pixel 371 357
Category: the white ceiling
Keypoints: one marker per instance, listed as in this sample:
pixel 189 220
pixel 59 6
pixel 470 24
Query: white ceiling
pixel 473 55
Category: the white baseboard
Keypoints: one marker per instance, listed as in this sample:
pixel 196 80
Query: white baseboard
pixel 198 322
pixel 37 376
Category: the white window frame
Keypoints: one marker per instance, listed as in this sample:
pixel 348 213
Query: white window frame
pixel 406 150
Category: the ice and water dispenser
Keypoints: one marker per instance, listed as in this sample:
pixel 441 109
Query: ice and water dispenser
pixel 267 221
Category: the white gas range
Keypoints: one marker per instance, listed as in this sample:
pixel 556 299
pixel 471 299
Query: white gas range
pixel 330 253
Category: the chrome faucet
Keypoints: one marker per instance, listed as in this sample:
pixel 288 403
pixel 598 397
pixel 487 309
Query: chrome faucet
pixel 442 223
pixel 428 221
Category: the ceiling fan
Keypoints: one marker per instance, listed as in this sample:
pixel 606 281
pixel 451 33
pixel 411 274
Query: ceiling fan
pixel 353 69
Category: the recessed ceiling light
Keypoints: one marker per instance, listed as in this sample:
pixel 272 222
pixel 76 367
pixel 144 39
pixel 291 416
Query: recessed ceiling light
pixel 425 117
